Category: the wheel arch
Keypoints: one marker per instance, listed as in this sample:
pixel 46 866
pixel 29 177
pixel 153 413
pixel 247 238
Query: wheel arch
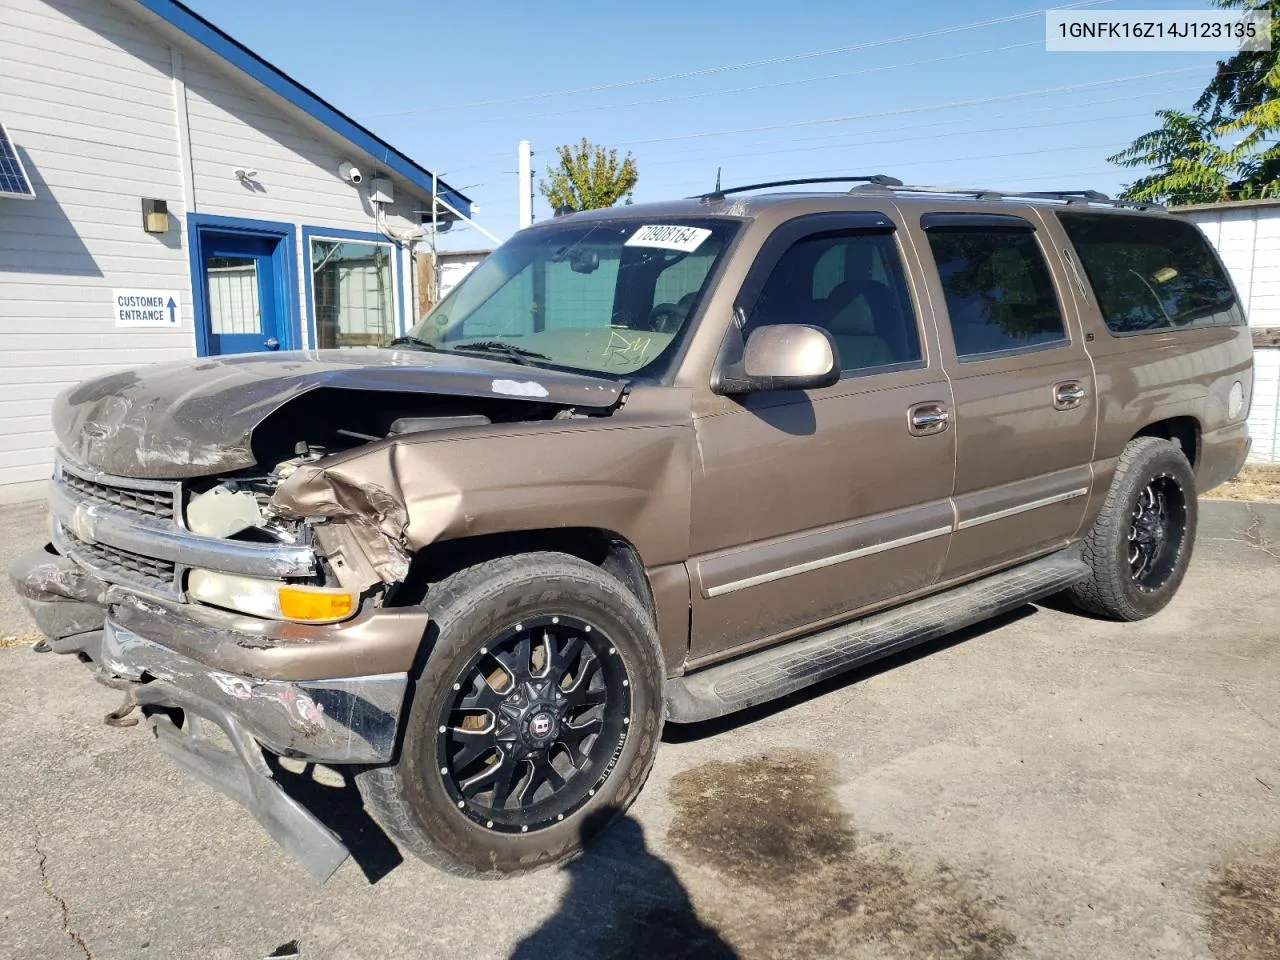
pixel 1182 430
pixel 606 549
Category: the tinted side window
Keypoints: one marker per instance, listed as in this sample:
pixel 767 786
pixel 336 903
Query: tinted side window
pixel 851 284
pixel 999 293
pixel 1151 273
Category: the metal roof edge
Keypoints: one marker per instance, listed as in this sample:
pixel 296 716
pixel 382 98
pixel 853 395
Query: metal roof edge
pixel 1225 205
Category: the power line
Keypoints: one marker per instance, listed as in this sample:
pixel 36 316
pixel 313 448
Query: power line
pixel 893 166
pixel 948 105
pixel 701 152
pixel 764 86
pixel 862 142
pixel 933 123
pixel 750 64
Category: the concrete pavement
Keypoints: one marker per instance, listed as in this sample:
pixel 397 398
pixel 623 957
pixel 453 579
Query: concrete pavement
pixel 1048 786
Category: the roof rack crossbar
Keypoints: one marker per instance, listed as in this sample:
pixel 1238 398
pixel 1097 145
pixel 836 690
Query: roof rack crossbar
pixel 1065 196
pixel 879 182
pixel 879 179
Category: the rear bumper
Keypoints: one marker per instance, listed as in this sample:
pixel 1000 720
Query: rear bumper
pixel 1223 453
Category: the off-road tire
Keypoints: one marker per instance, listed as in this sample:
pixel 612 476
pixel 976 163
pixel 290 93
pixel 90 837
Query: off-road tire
pixel 1110 590
pixel 409 798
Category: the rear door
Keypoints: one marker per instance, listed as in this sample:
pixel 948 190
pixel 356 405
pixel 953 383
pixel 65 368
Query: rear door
pixel 1024 409
pixel 808 505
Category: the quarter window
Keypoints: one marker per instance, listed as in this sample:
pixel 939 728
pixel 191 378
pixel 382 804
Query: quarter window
pixel 354 293
pixel 851 284
pixel 1151 273
pixel 998 290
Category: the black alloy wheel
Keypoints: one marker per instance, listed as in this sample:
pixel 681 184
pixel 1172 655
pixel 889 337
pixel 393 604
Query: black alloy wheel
pixel 536 722
pixel 1157 532
pixel 1141 542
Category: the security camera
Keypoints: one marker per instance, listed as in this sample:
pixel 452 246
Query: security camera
pixel 350 172
pixel 243 173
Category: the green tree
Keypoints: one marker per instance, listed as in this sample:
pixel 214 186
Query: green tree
pixel 1226 149
pixel 588 176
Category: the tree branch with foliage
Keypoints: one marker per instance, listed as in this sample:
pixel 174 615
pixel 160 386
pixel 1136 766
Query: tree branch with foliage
pixel 588 176
pixel 1226 149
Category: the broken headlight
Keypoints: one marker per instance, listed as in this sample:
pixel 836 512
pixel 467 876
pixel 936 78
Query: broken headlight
pixel 272 599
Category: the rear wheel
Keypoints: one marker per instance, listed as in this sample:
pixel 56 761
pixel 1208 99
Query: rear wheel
pixel 1141 543
pixel 539 708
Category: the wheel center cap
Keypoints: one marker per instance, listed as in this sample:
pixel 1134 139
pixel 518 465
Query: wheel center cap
pixel 541 725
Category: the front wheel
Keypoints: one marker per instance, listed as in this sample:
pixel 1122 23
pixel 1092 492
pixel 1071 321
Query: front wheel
pixel 1141 543
pixel 540 706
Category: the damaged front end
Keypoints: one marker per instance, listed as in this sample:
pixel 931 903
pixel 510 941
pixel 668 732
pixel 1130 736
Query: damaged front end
pixel 194 614
pixel 181 572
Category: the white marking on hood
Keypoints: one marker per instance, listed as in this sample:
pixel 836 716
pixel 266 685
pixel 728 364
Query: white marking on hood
pixel 516 388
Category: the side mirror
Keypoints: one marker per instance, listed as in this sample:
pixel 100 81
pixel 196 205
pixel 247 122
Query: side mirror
pixel 783 356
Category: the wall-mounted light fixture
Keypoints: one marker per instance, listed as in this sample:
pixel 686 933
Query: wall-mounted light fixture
pixel 155 216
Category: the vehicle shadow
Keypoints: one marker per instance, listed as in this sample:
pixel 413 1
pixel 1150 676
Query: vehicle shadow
pixel 622 902
pixel 689 732
pixel 341 809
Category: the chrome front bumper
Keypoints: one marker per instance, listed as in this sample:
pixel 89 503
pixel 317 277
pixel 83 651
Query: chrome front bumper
pixel 351 720
pixel 169 657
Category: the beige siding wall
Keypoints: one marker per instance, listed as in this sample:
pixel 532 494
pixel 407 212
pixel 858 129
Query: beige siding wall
pixel 297 180
pixel 297 172
pixel 95 99
pixel 93 115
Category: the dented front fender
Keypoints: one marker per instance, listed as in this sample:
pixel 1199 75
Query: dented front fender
pixel 629 473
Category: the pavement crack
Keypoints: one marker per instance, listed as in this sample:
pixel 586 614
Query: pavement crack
pixel 1246 705
pixel 53 895
pixel 1253 536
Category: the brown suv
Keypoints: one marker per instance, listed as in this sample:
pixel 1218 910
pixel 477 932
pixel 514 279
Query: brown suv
pixel 656 462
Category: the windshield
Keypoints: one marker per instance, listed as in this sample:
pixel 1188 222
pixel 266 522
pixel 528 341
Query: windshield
pixel 611 296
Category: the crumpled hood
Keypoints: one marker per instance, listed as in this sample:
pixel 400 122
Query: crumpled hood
pixel 196 417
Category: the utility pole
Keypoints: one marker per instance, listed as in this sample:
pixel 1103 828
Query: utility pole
pixel 524 156
pixel 435 231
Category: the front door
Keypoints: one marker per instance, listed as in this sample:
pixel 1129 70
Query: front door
pixel 810 505
pixel 245 305
pixel 1025 410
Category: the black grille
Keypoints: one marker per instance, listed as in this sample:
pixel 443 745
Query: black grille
pixel 117 564
pixel 156 503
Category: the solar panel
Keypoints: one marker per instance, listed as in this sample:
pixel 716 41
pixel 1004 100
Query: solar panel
pixel 14 181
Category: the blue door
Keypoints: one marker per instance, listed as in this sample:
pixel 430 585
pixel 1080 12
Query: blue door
pixel 245 305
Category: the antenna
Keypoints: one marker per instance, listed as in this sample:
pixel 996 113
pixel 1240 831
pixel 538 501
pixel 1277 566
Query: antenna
pixel 717 190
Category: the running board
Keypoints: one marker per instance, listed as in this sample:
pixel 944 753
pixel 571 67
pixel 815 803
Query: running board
pixel 778 671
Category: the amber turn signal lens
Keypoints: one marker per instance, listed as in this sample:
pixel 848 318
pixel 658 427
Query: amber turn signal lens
pixel 299 603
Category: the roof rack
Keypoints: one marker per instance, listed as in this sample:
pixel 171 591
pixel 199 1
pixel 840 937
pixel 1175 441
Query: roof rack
pixel 876 179
pixel 984 193
pixel 880 182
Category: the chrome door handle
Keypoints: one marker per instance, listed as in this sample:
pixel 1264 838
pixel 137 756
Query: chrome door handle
pixel 927 418
pixel 1068 395
pixel 271 343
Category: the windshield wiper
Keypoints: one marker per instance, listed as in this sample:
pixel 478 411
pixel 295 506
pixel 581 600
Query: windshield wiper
pixel 412 342
pixel 509 350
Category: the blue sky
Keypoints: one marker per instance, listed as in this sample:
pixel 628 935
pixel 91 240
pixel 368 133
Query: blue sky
pixel 456 86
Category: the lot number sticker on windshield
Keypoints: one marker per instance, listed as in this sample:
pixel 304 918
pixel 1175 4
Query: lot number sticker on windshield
pixel 669 237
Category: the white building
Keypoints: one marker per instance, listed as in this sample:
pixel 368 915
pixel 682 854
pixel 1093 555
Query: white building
pixel 258 237
pixel 1246 234
pixel 456 264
